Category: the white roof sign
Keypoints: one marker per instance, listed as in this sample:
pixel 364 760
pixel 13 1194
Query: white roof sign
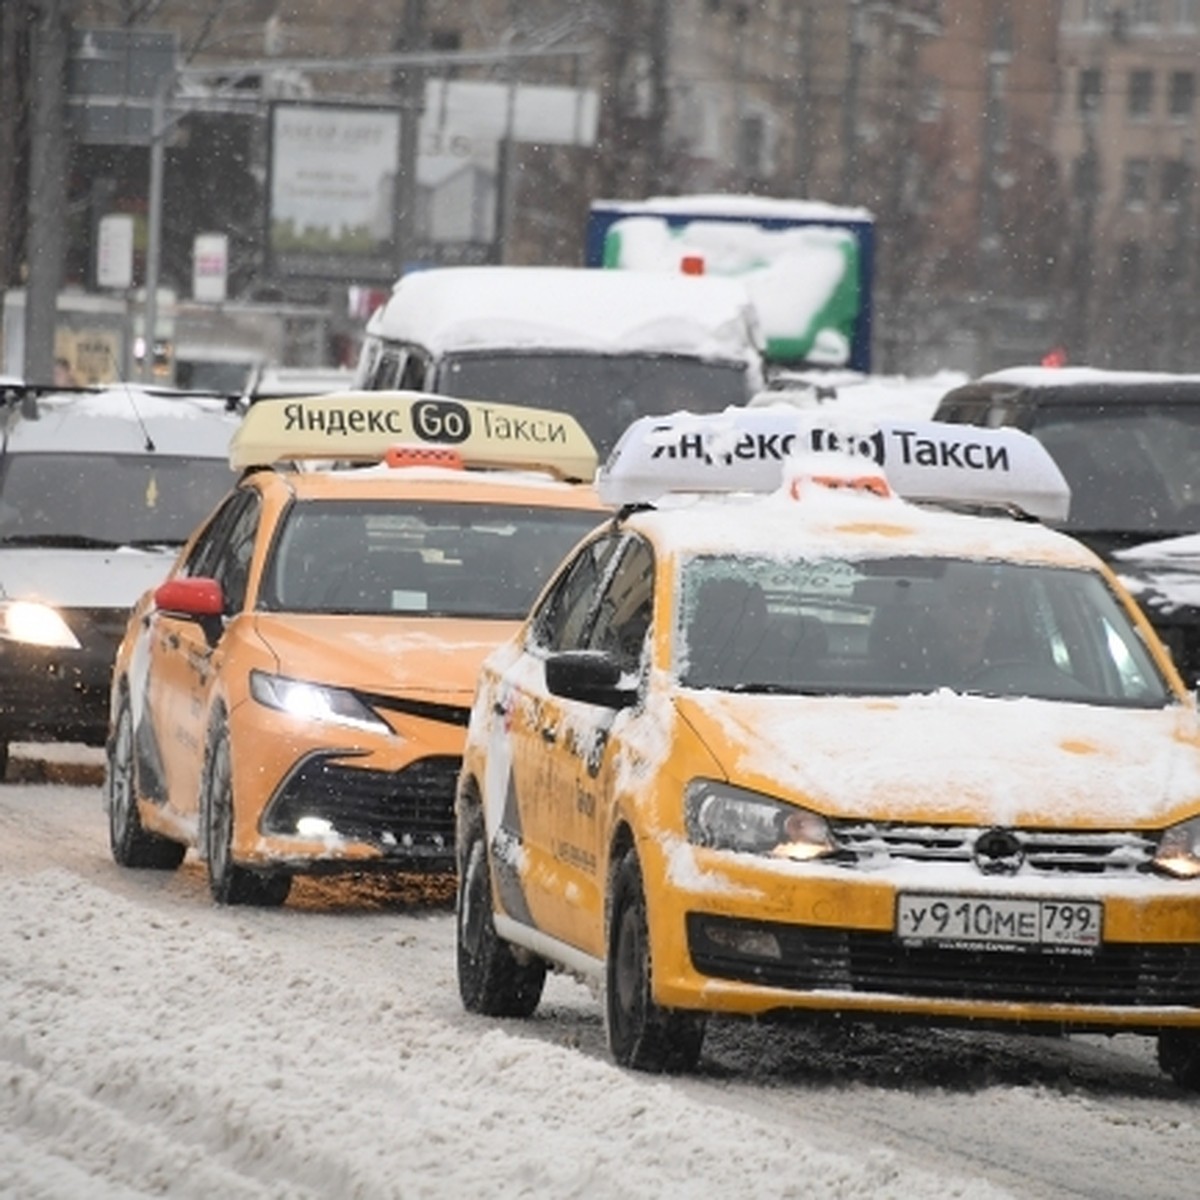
pixel 748 450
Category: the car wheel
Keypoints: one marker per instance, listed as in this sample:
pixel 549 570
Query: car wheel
pixel 3 761
pixel 228 882
pixel 131 845
pixel 1179 1056
pixel 494 977
pixel 641 1034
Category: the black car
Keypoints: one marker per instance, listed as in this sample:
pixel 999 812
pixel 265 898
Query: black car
pixel 1128 444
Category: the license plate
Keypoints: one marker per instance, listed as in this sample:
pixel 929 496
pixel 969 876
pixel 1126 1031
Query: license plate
pixel 987 921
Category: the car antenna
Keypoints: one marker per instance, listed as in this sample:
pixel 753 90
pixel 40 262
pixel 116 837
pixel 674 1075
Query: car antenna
pixel 142 424
pixel 150 446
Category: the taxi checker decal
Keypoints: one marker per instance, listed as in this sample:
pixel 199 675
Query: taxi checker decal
pixel 365 425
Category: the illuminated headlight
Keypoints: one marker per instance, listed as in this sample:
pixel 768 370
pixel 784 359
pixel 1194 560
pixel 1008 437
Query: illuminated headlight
pixel 1179 850
pixel 731 818
pixel 35 624
pixel 313 702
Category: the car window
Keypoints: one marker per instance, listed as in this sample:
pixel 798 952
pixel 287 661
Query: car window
pixel 120 499
pixel 202 557
pixel 625 607
pixel 908 624
pixel 420 557
pixel 232 566
pixel 562 620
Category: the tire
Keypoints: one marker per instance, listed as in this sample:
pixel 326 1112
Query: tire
pixel 1179 1057
pixel 494 978
pixel 3 761
pixel 641 1034
pixel 131 845
pixel 229 883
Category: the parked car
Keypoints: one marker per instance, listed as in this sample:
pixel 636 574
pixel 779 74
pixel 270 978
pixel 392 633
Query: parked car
pixel 1128 443
pixel 98 491
pixel 777 740
pixel 293 698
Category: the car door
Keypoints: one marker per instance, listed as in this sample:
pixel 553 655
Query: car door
pixel 186 654
pixel 618 624
pixel 537 751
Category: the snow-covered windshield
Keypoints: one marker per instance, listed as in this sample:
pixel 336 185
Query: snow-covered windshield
pixel 604 392
pixel 419 558
pixel 1131 466
pixel 107 499
pixel 907 624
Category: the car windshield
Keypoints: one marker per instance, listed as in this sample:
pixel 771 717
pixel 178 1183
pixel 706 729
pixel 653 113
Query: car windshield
pixel 900 625
pixel 604 392
pixel 107 499
pixel 1131 466
pixel 418 558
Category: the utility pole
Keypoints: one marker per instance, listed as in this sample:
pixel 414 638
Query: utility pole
pixel 47 189
pixel 411 83
pixel 854 51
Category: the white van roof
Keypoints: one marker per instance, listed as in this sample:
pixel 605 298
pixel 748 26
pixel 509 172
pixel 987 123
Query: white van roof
pixel 570 308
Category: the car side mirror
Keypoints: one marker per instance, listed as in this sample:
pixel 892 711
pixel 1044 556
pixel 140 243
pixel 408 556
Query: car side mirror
pixel 196 598
pixel 590 676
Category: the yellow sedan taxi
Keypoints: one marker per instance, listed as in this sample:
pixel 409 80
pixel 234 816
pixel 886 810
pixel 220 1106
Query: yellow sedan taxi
pixel 823 724
pixel 293 698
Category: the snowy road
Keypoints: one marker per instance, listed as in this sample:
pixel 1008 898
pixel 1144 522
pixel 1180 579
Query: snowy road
pixel 154 1045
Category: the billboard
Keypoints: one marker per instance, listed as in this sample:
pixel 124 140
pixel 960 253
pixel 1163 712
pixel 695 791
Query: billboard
pixel 332 179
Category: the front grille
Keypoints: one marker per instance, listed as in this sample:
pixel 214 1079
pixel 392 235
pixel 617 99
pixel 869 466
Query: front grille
pixel 407 815
pixel 814 957
pixel 1045 852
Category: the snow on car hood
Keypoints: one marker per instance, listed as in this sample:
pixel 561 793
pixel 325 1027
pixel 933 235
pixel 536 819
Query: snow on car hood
pixel 425 656
pixel 952 758
pixel 1163 575
pixel 70 578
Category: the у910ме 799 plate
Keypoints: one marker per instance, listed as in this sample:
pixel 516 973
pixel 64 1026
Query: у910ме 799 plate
pixel 982 921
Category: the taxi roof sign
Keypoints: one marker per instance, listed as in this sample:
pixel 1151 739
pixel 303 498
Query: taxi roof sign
pixel 749 449
pixel 364 426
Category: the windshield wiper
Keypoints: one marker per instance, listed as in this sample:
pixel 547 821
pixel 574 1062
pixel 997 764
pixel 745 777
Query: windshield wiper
pixel 71 541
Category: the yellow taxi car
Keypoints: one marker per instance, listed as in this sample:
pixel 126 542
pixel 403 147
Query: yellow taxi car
pixel 293 698
pixel 819 725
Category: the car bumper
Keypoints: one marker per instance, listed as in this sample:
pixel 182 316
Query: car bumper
pixel 375 802
pixel 762 940
pixel 49 693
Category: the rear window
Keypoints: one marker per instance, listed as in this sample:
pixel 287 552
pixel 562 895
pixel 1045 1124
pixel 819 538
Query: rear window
pixel 425 559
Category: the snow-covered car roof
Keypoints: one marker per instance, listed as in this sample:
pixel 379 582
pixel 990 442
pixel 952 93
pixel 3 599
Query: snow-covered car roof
pixel 124 420
pixel 1075 377
pixel 570 308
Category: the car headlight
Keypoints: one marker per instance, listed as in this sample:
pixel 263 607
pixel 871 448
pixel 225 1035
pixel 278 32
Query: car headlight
pixel 1179 850
pixel 35 624
pixel 315 702
pixel 731 818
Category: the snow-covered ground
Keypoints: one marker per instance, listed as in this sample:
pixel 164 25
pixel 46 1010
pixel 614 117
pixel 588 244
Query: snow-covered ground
pixel 155 1045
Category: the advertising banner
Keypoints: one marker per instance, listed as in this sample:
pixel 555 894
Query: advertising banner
pixel 333 173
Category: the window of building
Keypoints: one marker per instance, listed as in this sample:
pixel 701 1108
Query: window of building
pixel 1141 94
pixel 1129 265
pixel 1187 13
pixel 1137 182
pixel 1085 176
pixel 1091 89
pixel 1144 13
pixel 1095 12
pixel 1183 94
pixel 1176 182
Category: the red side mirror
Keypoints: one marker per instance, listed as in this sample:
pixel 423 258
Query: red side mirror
pixel 190 597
